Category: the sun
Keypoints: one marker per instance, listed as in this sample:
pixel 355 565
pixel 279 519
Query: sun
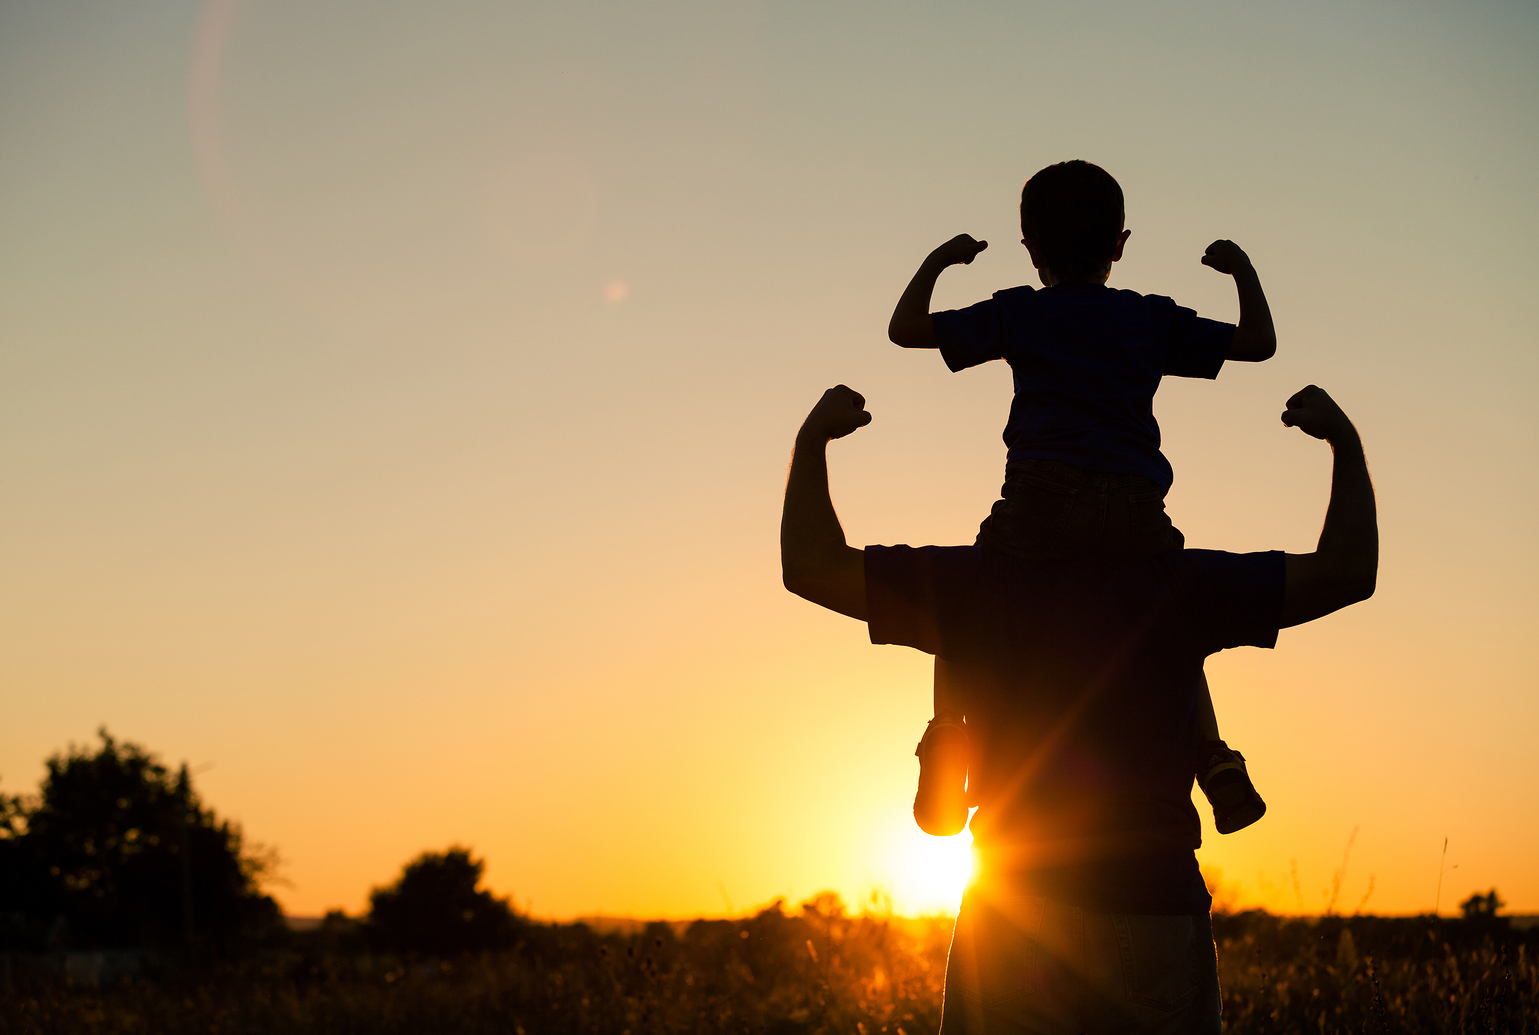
pixel 927 874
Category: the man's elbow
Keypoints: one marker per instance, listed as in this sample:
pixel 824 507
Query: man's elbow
pixel 815 589
pixel 1354 585
pixel 1364 584
pixel 836 582
pixel 797 582
pixel 804 576
pixel 1317 587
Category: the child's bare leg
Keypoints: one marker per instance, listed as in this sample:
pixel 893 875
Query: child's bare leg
pixel 1207 721
pixel 1222 775
pixel 940 806
pixel 948 698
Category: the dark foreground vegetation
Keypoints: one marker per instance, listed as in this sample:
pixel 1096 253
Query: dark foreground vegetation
pixel 127 906
pixel 814 970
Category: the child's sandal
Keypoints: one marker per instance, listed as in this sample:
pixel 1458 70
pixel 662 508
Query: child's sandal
pixel 1226 782
pixel 942 810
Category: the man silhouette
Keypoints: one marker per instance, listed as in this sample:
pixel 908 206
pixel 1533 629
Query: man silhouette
pixel 1080 685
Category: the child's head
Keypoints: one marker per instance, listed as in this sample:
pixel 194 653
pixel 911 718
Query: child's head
pixel 1071 220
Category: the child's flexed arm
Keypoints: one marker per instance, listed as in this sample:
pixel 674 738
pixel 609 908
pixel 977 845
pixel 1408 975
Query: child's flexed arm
pixel 910 325
pixel 1254 338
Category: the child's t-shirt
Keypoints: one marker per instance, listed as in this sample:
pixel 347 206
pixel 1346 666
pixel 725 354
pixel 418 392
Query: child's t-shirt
pixel 1087 360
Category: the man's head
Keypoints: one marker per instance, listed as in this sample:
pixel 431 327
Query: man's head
pixel 1071 222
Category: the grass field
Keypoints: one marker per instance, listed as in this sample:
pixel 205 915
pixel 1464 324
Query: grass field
pixel 816 970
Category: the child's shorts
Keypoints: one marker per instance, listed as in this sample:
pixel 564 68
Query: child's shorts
pixel 1055 511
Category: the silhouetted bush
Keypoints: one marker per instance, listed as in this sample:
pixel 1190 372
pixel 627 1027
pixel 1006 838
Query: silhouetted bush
pixel 438 908
pixel 1482 907
pixel 115 851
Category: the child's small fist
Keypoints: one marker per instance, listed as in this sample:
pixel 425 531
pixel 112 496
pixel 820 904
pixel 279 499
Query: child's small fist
pixel 960 250
pixel 1226 257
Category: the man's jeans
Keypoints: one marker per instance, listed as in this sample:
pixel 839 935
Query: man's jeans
pixel 1021 964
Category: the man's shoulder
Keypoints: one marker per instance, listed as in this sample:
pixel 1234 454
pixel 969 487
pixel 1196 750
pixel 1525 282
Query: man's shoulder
pixel 908 588
pixel 902 555
pixel 1178 565
pixel 1195 563
pixel 1199 558
pixel 914 595
pixel 1180 574
pixel 934 573
pixel 1209 579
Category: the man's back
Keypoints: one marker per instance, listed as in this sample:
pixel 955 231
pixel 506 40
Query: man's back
pixel 1031 957
pixel 1080 685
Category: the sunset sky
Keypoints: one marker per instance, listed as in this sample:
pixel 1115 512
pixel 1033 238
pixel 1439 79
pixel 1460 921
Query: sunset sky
pixel 395 402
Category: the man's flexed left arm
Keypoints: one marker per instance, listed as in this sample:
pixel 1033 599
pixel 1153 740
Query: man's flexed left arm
pixel 815 561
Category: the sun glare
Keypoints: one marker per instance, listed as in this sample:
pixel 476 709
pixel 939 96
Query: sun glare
pixel 927 874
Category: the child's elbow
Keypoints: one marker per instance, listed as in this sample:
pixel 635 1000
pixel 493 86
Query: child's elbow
pixel 1248 348
pixel 912 333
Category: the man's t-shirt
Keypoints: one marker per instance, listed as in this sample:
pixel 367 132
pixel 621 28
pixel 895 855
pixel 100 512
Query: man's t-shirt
pixel 1080 687
pixel 1087 361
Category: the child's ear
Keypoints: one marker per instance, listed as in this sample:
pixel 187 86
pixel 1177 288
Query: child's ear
pixel 1122 239
pixel 1036 260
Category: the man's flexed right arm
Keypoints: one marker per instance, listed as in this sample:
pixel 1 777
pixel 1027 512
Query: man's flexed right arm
pixel 1345 565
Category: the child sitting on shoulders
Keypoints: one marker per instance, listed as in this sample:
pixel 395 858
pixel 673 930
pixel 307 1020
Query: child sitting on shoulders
pixel 1084 478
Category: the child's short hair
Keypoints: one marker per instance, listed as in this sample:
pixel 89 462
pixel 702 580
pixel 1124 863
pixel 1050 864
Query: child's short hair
pixel 1072 214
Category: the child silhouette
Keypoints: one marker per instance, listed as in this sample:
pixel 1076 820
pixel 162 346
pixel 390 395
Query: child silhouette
pixel 1085 480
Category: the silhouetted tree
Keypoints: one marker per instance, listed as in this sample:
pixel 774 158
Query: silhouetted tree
pixel 117 851
pixel 22 879
pixel 437 908
pixel 1482 907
